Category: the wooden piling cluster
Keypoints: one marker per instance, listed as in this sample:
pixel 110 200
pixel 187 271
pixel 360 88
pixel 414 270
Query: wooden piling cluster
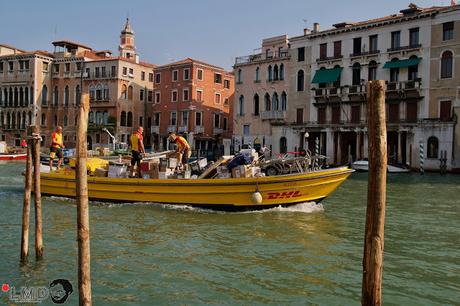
pixel 376 195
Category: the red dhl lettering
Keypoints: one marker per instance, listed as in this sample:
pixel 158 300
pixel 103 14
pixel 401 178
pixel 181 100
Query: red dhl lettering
pixel 284 195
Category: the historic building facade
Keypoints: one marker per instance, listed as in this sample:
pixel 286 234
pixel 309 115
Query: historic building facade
pixel 44 88
pixel 261 93
pixel 195 99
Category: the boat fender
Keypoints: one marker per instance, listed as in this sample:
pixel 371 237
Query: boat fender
pixel 257 197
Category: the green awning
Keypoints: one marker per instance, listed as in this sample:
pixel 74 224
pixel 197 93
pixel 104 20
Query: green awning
pixel 402 63
pixel 327 75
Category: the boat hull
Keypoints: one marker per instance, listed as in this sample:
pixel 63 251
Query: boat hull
pixel 213 193
pixel 13 156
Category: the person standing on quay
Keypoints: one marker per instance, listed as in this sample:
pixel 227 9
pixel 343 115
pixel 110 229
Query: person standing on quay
pixel 137 149
pixel 56 147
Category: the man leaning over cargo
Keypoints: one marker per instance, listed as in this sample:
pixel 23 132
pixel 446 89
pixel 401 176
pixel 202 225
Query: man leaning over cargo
pixel 56 147
pixel 183 148
pixel 137 149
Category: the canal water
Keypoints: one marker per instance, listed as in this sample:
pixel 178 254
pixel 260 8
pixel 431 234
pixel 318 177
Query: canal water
pixel 304 255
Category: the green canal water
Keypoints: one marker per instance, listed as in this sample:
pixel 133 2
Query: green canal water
pixel 305 255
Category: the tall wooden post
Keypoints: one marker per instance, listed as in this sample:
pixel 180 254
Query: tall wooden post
pixel 26 204
pixel 84 275
pixel 376 195
pixel 37 192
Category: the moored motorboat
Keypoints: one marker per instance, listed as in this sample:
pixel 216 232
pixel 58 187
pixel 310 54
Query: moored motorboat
pixel 221 194
pixel 14 156
pixel 363 165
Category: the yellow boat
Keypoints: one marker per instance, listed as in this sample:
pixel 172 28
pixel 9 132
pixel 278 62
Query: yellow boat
pixel 220 194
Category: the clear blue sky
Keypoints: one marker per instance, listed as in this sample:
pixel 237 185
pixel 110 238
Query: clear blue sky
pixel 214 31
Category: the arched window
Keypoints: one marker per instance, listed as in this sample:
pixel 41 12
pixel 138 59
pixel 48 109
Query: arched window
pixel 8 120
pixel 105 117
pixel 446 65
pixel 10 99
pixel 300 80
pixel 30 118
pixel 256 105
pixel 356 77
pixel 44 95
pixel 130 92
pixel 239 76
pixel 65 120
pixel 21 96
pixel 412 70
pixel 24 118
pixel 283 101
pixel 129 121
pixel 43 120
pixel 241 105
pixel 19 120
pixel 275 73
pixel 5 96
pixel 372 73
pixel 267 102
pixel 433 147
pixel 56 96
pixel 283 145
pixel 124 92
pixel 77 95
pixel 123 118
pixel 275 102
pixel 16 97
pixel 66 96
pixel 1 119
pixel 26 96
pixel 98 118
pixel 282 72
pixel 257 76
pixel 91 117
pixel 55 120
pixel 270 73
pixel 394 72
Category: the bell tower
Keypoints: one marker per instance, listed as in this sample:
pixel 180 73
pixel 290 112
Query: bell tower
pixel 127 48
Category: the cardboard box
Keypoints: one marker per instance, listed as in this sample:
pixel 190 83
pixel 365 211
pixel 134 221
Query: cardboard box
pixel 222 170
pixel 117 171
pixel 242 171
pixel 100 172
pixel 236 172
pixel 202 163
pixel 172 163
pixel 145 166
pixel 163 164
pixel 187 174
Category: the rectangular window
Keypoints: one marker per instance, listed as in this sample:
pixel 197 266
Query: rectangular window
pixel 78 66
pixel 45 66
pixel 357 46
pixel 103 74
pixel 156 119
pixel 11 66
pixel 373 44
pixel 299 116
pixel 301 54
pixel 411 111
pixel 226 83
pixel 67 67
pixel 413 37
pixel 125 71
pixel 217 98
pixel 199 74
pixel 1 67
pixel 216 121
pixel 199 95
pixel 113 71
pixel 394 75
pixel 141 95
pixel 246 130
pixel 141 121
pixel 151 77
pixel 395 40
pixel 96 71
pixel 157 97
pixel 335 114
pixel 186 73
pixel 445 110
pixel 55 68
pixel 322 51
pixel 150 96
pixel 131 72
pixel 175 75
pixel 185 94
pixel 198 117
pixel 174 95
pixel 157 78
pixel 142 75
pixel 393 112
pixel 173 118
pixel 355 113
pixel 337 49
pixel 448 30
pixel 218 78
pixel 225 124
pixel 185 118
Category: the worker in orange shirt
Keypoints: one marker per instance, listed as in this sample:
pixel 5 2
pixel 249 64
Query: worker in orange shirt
pixel 56 147
pixel 137 149
pixel 183 148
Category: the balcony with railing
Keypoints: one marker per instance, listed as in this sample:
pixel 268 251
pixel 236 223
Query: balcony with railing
pixel 217 131
pixel 410 89
pixel 182 129
pixel 404 48
pixel 155 129
pixel 199 129
pixel 171 128
pixel 241 60
pixel 329 58
pixel 364 53
pixel 273 115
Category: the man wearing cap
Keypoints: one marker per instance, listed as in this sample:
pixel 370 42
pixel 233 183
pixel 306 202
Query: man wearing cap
pixel 183 148
pixel 56 147
pixel 137 149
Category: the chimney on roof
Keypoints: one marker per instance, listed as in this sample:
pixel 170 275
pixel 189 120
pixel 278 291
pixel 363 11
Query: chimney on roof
pixel 306 31
pixel 316 27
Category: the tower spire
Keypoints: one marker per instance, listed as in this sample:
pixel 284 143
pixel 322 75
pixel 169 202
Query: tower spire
pixel 127 47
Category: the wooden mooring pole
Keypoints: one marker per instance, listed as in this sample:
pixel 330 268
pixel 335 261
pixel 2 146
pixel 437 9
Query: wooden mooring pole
pixel 84 275
pixel 36 139
pixel 376 196
pixel 26 203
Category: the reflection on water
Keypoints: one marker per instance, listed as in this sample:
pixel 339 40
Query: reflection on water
pixel 306 254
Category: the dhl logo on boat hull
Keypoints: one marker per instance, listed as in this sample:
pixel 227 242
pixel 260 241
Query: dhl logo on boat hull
pixel 284 195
